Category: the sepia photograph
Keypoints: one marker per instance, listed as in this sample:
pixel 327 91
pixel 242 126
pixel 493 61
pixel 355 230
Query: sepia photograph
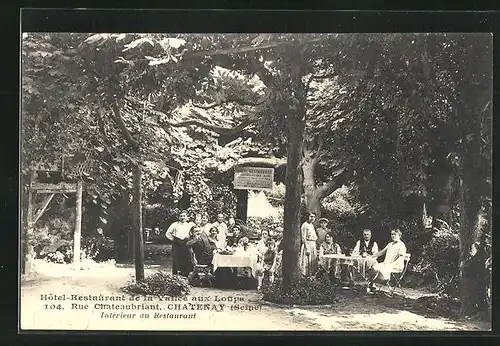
pixel 256 181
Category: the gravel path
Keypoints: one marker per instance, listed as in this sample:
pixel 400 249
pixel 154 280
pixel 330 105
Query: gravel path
pixel 349 314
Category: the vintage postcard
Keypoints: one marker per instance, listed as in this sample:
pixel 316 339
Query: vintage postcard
pixel 256 181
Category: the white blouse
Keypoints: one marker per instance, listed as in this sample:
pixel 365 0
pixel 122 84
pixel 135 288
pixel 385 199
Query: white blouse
pixel 179 230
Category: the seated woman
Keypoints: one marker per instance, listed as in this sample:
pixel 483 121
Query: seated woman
pixel 235 237
pixel 202 245
pixel 393 262
pixel 267 263
pixel 332 267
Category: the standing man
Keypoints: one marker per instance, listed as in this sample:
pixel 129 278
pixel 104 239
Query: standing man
pixel 222 234
pixel 321 231
pixel 178 234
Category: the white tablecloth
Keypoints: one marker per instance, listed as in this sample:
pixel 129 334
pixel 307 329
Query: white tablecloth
pixel 235 261
pixel 360 263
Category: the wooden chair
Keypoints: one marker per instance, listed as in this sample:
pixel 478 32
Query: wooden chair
pixel 201 273
pixel 398 276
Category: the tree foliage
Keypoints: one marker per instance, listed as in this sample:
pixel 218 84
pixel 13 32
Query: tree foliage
pixel 403 120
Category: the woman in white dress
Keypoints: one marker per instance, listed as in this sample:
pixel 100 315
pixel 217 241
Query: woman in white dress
pixel 222 235
pixel 308 252
pixel 393 262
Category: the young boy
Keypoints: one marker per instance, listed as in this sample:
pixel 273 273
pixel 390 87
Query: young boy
pixel 267 263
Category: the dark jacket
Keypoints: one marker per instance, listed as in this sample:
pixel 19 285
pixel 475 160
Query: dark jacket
pixel 363 248
pixel 233 240
pixel 203 249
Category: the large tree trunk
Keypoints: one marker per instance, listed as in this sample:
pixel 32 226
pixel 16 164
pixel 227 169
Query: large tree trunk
pixel 311 193
pixel 473 294
pixel 442 191
pixel 291 234
pixel 137 223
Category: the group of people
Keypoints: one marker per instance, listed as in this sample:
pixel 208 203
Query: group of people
pixel 317 242
pixel 196 242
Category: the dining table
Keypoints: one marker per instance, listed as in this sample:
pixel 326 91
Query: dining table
pixel 358 263
pixel 236 260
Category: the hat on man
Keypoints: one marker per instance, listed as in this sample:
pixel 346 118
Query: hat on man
pixel 323 220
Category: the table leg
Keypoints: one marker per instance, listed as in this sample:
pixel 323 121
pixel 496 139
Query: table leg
pixel 361 271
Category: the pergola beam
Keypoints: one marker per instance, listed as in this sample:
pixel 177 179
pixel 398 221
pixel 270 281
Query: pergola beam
pixel 54 188
pixel 44 207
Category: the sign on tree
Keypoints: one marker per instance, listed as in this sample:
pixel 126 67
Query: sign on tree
pixel 253 178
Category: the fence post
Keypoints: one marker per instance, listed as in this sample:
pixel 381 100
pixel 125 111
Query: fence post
pixel 78 227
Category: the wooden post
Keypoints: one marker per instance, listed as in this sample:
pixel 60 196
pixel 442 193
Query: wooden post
pixel 137 223
pixel 131 243
pixel 242 205
pixel 78 227
pixel 28 252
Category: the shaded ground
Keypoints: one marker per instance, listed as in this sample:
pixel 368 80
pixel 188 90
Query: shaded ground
pixel 354 310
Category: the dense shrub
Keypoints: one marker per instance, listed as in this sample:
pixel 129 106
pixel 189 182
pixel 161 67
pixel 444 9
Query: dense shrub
pixel 53 235
pixel 439 260
pixel 98 248
pixel 64 256
pixel 258 224
pixel 306 291
pixel 160 284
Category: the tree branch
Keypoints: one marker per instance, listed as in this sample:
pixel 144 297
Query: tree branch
pixel 308 84
pixel 253 48
pixel 221 130
pixel 325 76
pixel 318 151
pixel 100 123
pixel 234 99
pixel 269 162
pixel 126 133
pixel 337 182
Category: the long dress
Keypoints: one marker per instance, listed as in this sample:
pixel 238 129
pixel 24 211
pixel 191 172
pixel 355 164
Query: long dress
pixel 308 263
pixel 393 261
pixel 178 233
pixel 221 235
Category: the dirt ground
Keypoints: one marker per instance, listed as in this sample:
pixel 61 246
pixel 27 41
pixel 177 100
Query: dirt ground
pixel 354 311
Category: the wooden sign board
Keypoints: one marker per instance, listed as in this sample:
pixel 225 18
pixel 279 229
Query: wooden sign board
pixel 253 178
